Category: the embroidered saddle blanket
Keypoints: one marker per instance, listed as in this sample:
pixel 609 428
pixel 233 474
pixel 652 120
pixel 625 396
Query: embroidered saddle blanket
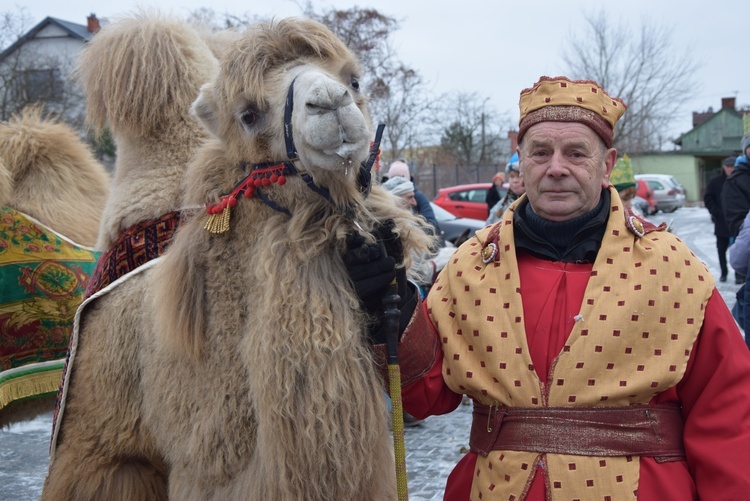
pixel 43 276
pixel 136 250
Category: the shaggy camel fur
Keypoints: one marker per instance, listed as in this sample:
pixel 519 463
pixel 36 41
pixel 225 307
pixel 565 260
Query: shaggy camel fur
pixel 237 366
pixel 51 175
pixel 46 172
pixel 140 76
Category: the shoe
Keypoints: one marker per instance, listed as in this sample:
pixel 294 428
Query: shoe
pixel 739 280
pixel 410 421
pixel 723 278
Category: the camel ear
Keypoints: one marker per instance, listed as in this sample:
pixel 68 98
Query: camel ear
pixel 204 109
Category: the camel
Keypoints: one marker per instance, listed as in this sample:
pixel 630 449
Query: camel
pixel 237 365
pixel 52 194
pixel 51 175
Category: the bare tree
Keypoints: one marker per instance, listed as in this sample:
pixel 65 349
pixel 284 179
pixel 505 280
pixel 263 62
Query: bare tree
pixel 473 134
pixel 398 94
pixel 642 67
pixel 30 75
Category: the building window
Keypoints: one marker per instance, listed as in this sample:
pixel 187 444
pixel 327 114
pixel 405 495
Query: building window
pixel 42 85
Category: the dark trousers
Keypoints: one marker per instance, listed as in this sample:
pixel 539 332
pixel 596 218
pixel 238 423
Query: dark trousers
pixel 722 244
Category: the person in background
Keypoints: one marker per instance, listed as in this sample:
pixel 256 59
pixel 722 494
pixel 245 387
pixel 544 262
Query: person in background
pixel 515 190
pixel 571 321
pixel 739 258
pixel 399 168
pixel 495 192
pixel 735 194
pixel 622 179
pixel 712 200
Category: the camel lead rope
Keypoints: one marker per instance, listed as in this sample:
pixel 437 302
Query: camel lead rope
pixel 392 316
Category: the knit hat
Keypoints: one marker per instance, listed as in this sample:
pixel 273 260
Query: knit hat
pixel 398 168
pixel 745 143
pixel 621 176
pixel 513 164
pixel 399 185
pixel 560 99
pixel 729 161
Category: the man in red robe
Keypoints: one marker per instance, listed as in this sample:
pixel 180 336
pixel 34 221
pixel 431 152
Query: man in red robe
pixel 601 360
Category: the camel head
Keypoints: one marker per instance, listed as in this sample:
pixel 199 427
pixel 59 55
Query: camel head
pixel 288 91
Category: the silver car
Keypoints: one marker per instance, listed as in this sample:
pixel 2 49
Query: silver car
pixel 668 192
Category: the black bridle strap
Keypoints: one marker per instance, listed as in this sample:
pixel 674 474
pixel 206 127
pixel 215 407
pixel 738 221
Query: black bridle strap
pixel 291 151
pixel 364 177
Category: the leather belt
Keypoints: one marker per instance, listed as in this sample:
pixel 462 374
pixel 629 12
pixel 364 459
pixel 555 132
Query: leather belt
pixel 636 430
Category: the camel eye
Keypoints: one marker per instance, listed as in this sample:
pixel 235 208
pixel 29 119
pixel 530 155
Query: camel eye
pixel 355 83
pixel 248 117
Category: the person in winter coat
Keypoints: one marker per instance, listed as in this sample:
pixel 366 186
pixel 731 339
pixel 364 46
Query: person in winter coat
pixel 712 200
pixel 515 190
pixel 494 191
pixel 739 258
pixel 736 190
pixel 399 168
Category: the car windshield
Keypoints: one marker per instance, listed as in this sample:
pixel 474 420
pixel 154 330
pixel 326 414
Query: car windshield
pixel 442 214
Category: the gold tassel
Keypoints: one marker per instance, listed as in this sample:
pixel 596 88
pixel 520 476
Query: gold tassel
pixel 218 223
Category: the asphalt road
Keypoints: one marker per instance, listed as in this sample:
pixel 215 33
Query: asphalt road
pixel 432 448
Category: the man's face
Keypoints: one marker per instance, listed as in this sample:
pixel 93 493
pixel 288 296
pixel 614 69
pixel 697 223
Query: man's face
pixel 515 182
pixel 564 167
pixel 728 169
pixel 409 200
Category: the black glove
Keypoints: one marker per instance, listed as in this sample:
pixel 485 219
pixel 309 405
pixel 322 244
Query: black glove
pixel 372 269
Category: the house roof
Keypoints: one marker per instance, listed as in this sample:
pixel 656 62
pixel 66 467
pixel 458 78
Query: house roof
pixel 706 123
pixel 77 31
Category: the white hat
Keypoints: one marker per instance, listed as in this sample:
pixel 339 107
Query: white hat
pixel 399 186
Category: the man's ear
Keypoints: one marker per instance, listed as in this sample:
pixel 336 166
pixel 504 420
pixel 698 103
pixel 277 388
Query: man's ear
pixel 204 109
pixel 610 157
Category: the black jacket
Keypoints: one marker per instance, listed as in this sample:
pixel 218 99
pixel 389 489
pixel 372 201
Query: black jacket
pixel 493 196
pixel 736 197
pixel 712 199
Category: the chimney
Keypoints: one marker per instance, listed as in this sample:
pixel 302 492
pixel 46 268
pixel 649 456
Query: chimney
pixel 93 23
pixel 727 103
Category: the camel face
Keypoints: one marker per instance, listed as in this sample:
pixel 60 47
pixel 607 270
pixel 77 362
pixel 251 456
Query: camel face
pixel 249 110
pixel 330 131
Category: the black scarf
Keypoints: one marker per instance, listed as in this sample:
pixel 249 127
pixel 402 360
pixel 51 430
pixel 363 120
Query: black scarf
pixel 577 240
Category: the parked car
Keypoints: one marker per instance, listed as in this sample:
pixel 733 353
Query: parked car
pixel 452 227
pixel 668 192
pixel 640 205
pixel 647 194
pixel 466 200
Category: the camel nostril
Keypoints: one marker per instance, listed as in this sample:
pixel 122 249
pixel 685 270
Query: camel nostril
pixel 328 98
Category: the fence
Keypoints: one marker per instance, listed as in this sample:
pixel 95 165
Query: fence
pixel 430 178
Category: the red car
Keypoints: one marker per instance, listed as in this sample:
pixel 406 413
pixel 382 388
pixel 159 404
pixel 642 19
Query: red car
pixel 465 200
pixel 642 190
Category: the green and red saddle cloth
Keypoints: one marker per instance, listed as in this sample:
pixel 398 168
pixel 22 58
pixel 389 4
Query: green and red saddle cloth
pixel 43 276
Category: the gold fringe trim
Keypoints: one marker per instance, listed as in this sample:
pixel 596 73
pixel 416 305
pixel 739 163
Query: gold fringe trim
pixel 30 385
pixel 218 223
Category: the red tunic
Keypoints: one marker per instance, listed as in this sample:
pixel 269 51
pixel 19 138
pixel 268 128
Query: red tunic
pixel 714 394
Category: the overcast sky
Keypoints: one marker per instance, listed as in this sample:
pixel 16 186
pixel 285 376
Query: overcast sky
pixel 497 48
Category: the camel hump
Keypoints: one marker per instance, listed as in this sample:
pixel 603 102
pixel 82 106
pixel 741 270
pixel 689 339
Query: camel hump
pixel 140 74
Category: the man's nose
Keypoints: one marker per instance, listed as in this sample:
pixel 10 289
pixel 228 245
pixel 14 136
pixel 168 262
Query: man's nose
pixel 557 164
